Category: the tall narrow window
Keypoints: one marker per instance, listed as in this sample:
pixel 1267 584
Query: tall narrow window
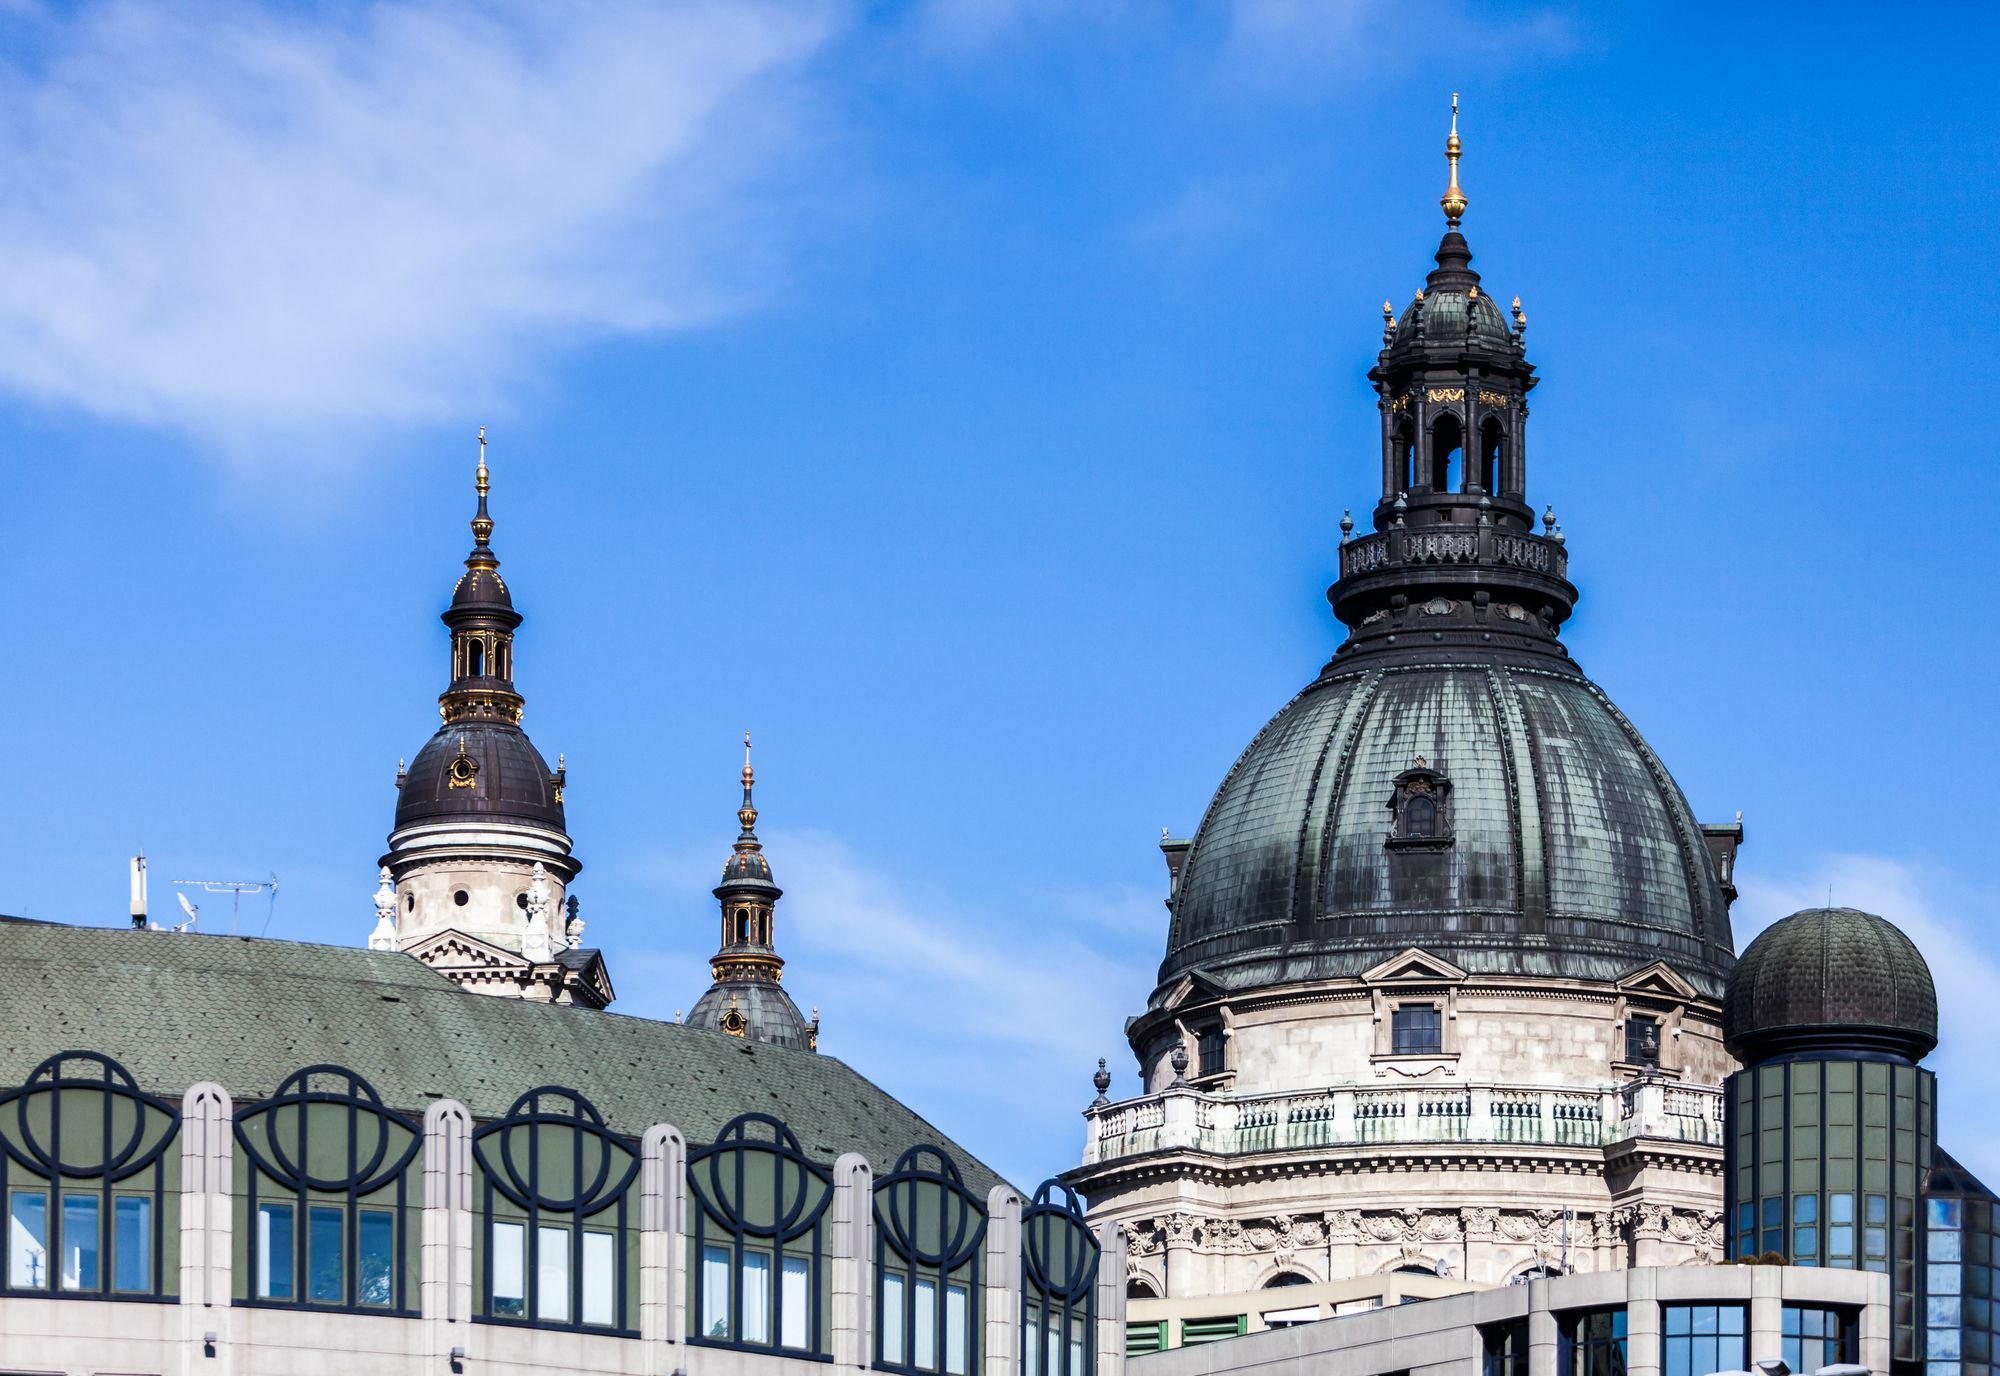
pixel 1420 819
pixel 1447 445
pixel 475 658
pixel 1492 455
pixel 1059 1257
pixel 929 1230
pixel 757 1222
pixel 86 1174
pixel 557 1189
pixel 1639 1029
pixel 326 1171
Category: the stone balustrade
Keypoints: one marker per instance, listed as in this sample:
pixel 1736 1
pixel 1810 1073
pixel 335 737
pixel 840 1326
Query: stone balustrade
pixel 1188 1119
pixel 1446 544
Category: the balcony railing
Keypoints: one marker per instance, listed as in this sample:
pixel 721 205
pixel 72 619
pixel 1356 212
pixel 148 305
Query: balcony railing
pixel 1227 1125
pixel 1453 545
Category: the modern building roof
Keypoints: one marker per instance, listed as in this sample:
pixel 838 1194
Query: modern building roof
pixel 1836 978
pixel 178 1008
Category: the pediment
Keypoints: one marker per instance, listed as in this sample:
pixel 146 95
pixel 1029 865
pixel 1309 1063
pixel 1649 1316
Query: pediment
pixel 455 949
pixel 1414 965
pixel 1193 987
pixel 1659 979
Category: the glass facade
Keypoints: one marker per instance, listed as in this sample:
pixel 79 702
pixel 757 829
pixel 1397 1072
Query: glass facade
pixel 1815 1336
pixel 1960 1218
pixel 1696 1339
pixel 1591 1343
pixel 1503 1349
pixel 1827 1156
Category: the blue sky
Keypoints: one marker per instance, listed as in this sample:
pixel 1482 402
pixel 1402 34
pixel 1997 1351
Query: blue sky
pixel 963 398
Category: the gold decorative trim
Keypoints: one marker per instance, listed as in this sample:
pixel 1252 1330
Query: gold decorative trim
pixel 1445 394
pixel 1492 399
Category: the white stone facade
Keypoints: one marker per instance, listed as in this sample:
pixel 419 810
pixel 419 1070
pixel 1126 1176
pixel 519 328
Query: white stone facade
pixel 1301 1144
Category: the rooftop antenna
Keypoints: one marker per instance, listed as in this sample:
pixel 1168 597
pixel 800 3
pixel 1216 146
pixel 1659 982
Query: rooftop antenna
pixel 236 888
pixel 190 909
pixel 139 890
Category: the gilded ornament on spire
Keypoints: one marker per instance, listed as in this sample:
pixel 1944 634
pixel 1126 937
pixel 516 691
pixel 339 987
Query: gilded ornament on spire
pixel 482 524
pixel 1453 199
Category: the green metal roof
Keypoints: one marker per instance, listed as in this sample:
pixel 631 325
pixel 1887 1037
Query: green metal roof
pixel 177 1008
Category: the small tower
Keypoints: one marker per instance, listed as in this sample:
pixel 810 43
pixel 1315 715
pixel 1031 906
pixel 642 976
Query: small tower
pixel 479 860
pixel 745 998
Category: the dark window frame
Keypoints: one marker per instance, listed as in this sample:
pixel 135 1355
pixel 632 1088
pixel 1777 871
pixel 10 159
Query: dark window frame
pixel 1059 1261
pixel 955 1260
pixel 714 1221
pixel 294 1185
pixel 1406 1041
pixel 131 1157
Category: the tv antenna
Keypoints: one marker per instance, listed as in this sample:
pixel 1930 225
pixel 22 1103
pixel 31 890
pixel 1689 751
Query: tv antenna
pixel 190 909
pixel 235 888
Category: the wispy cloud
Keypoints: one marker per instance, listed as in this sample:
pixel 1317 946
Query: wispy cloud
pixel 1333 44
pixel 988 1020
pixel 1950 918
pixel 231 221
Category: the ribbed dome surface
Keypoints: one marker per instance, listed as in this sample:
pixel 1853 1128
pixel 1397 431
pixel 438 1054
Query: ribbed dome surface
pixel 481 589
pixel 509 778
pixel 1833 975
pixel 1572 853
pixel 1444 315
pixel 766 1010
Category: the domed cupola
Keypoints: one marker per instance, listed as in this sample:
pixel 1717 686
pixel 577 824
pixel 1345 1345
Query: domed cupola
pixel 1831 979
pixel 479 813
pixel 1451 780
pixel 745 997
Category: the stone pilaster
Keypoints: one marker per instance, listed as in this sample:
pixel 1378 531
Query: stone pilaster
pixel 662 1245
pixel 208 1120
pixel 1003 1282
pixel 853 1262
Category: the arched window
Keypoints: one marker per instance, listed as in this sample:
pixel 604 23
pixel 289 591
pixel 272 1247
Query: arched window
pixel 92 1191
pixel 928 1232
pixel 758 1240
pixel 558 1245
pixel 475 658
pixel 1139 1288
pixel 1286 1278
pixel 1406 455
pixel 324 1197
pixel 1447 443
pixel 742 924
pixel 1058 1285
pixel 1420 818
pixel 1492 454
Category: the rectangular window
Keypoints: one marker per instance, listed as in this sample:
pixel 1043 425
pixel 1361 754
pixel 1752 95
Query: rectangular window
pixel 275 1251
pixel 1416 1029
pixel 1638 1027
pixel 510 1270
pixel 892 1318
pixel 375 1232
pixel 80 1242
pixel 794 1303
pixel 756 1298
pixel 1592 1344
pixel 1212 1047
pixel 923 1309
pixel 1815 1337
pixel 28 1240
pixel 715 1278
pixel 132 1244
pixel 552 1274
pixel 600 1279
pixel 1505 1348
pixel 1031 1342
pixel 957 1330
pixel 325 1226
pixel 1696 1339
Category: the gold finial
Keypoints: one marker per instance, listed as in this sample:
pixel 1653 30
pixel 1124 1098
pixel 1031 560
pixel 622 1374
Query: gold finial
pixel 1520 320
pixel 747 814
pixel 483 481
pixel 1453 199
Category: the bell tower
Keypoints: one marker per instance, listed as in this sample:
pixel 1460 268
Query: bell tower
pixel 1454 559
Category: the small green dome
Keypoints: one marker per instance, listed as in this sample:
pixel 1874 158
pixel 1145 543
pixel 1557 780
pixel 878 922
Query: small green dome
pixel 1832 979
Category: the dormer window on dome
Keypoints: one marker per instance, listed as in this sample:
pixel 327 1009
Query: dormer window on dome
pixel 1420 809
pixel 464 770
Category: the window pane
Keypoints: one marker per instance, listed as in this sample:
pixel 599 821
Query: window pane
pixel 600 1278
pixel 756 1298
pixel 923 1308
pixel 957 1312
pixel 1076 1367
pixel 715 1292
pixel 377 1237
pixel 892 1318
pixel 795 1311
pixel 1031 1343
pixel 324 1267
pixel 132 1243
pixel 552 1274
pixel 79 1242
pixel 28 1240
pixel 274 1251
pixel 510 1291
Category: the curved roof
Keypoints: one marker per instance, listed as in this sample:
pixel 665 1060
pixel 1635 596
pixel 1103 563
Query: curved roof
pixel 1835 977
pixel 1571 852
pixel 767 1012
pixel 510 779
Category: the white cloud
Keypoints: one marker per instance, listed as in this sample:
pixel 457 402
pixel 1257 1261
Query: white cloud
pixel 1325 43
pixel 232 221
pixel 1950 919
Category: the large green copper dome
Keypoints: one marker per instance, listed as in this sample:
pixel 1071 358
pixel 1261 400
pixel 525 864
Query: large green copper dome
pixel 1451 780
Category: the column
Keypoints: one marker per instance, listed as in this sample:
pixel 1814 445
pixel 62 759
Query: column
pixel 1642 1323
pixel 208 1120
pixel 1002 1263
pixel 445 1296
pixel 1767 1311
pixel 853 1261
pixel 1110 1333
pixel 662 1245
pixel 1541 1331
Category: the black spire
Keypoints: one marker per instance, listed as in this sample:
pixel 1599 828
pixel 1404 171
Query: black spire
pixel 482 621
pixel 749 899
pixel 1454 563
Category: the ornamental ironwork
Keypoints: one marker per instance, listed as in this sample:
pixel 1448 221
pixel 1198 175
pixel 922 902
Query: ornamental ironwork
pixel 1059 1257
pixel 929 1229
pixel 758 1224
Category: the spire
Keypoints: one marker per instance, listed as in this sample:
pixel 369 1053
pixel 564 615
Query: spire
pixel 747 814
pixel 1453 199
pixel 482 524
